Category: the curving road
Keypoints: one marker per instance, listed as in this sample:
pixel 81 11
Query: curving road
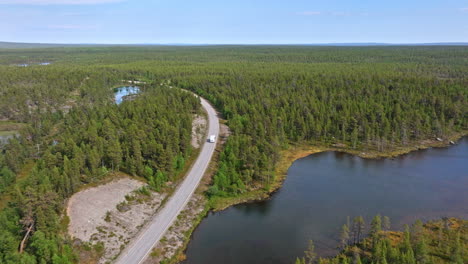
pixel 141 246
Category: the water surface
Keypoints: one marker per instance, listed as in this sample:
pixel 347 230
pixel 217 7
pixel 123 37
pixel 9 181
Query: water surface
pixel 121 92
pixel 319 193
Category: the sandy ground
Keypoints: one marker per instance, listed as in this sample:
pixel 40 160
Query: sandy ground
pixel 111 213
pixel 198 128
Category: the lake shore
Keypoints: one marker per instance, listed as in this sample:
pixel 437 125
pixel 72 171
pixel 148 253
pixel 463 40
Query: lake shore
pixel 303 149
pixel 253 221
pixel 288 156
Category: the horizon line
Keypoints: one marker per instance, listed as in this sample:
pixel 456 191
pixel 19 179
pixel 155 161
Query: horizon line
pixel 461 43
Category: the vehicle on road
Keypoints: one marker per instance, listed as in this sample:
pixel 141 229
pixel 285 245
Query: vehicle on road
pixel 212 139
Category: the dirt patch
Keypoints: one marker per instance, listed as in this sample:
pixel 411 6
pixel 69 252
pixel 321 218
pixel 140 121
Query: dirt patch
pixel 88 208
pixel 112 214
pixel 198 131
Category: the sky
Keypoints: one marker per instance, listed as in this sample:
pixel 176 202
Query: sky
pixel 233 21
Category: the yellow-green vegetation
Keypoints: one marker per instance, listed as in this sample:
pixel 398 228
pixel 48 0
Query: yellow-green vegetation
pixel 220 203
pixel 10 126
pixel 436 242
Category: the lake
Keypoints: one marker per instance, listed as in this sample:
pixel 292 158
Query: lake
pixel 321 190
pixel 121 92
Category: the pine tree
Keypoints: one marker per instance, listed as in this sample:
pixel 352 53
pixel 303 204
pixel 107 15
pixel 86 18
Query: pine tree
pixel 356 256
pixel 386 223
pixel 422 252
pixel 376 228
pixel 344 236
pixel 310 253
pixel 376 225
pixel 358 228
pixel 300 261
pixel 457 250
pixel 148 172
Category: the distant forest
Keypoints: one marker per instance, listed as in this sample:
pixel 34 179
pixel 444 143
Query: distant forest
pixel 361 98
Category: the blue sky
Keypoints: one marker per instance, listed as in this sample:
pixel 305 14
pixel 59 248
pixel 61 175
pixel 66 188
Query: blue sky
pixel 233 22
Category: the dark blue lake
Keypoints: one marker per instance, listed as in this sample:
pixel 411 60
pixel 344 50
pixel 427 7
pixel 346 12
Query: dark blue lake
pixel 321 190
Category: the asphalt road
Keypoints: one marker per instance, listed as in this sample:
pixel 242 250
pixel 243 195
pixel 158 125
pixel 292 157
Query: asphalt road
pixel 140 247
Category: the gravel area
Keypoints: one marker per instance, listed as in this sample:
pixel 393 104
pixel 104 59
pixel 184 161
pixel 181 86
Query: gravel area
pixel 112 213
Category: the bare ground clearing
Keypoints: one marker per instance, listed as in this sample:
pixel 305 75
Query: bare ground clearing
pixel 111 214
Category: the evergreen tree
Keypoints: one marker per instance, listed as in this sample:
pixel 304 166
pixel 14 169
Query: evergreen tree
pixel 344 236
pixel 386 223
pixel 310 254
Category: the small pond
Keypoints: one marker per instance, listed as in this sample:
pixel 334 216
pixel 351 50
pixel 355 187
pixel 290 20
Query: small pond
pixel 121 92
pixel 30 64
pixel 321 190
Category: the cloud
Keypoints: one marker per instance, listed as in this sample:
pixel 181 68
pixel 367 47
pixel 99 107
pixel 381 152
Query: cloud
pixel 309 13
pixel 465 9
pixel 57 2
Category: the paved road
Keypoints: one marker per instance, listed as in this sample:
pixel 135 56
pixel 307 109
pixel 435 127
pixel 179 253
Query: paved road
pixel 137 251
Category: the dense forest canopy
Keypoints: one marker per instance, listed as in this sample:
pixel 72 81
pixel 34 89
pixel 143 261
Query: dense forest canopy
pixel 362 98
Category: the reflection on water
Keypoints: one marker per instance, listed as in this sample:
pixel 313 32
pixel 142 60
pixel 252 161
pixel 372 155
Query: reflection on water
pixel 321 190
pixel 28 64
pixel 121 92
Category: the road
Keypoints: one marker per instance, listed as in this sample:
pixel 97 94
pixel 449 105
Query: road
pixel 140 247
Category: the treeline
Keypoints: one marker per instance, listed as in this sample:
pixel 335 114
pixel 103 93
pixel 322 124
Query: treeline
pixel 149 136
pixel 361 107
pixel 177 55
pixel 443 241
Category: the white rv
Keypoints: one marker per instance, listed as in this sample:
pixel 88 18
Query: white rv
pixel 212 139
